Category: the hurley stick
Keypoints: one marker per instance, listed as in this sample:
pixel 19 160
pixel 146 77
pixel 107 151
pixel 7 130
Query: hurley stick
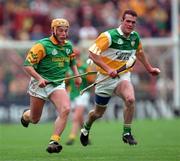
pixel 128 65
pixel 72 77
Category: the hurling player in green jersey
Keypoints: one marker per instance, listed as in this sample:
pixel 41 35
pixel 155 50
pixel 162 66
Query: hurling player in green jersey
pixel 48 60
pixel 111 50
pixel 79 103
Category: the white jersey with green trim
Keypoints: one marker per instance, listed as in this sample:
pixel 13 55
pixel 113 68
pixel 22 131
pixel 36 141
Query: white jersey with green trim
pixel 116 49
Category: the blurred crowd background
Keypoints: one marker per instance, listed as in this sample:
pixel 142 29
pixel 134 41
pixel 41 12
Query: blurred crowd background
pixel 29 20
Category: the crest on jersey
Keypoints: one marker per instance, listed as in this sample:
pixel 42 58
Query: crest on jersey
pixel 120 41
pixel 132 43
pixel 54 52
pixel 68 51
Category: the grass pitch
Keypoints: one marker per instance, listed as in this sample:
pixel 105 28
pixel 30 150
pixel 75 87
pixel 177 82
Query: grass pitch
pixel 158 140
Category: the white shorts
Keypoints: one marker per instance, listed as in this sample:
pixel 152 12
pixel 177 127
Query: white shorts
pixel 81 100
pixel 107 87
pixel 43 93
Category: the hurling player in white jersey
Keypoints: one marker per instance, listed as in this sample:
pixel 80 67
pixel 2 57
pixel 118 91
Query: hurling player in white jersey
pixel 111 50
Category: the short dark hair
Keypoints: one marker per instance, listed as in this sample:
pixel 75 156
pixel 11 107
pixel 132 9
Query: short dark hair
pixel 129 12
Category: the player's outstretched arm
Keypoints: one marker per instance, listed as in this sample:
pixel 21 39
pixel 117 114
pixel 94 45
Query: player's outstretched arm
pixel 143 59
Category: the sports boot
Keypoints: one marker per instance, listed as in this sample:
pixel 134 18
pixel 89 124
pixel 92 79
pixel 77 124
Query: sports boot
pixel 84 137
pixel 23 121
pixel 128 138
pixel 54 147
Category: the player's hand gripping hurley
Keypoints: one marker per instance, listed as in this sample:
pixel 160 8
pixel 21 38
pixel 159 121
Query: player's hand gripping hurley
pixel 128 65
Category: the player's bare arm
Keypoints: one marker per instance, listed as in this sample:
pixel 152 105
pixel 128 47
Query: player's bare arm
pixel 77 80
pixel 143 59
pixel 98 61
pixel 31 71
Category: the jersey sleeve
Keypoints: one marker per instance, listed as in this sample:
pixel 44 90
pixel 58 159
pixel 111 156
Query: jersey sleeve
pixel 35 54
pixel 101 43
pixel 140 48
pixel 72 59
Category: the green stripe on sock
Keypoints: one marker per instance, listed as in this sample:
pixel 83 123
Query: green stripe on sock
pixel 126 130
pixel 87 126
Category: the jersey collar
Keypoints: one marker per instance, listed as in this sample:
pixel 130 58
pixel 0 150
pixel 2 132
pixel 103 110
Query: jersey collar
pixel 121 33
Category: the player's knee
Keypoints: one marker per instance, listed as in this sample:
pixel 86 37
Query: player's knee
pixel 65 111
pixel 130 101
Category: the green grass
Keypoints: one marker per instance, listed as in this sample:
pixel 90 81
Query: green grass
pixel 158 140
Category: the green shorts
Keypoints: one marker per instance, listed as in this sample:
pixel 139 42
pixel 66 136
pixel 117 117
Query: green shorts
pixel 43 93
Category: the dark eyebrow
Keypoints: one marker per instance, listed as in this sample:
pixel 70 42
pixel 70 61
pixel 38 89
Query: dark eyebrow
pixel 131 21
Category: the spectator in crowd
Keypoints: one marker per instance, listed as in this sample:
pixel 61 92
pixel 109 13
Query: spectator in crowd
pixel 37 32
pixel 154 14
pixel 87 34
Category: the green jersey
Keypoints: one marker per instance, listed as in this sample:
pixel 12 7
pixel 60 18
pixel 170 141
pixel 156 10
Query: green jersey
pixel 74 91
pixel 50 60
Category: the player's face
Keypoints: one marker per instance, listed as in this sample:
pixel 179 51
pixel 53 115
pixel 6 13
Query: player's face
pixel 61 33
pixel 128 24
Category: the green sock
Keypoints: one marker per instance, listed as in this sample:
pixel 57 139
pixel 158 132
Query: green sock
pixel 126 129
pixel 87 126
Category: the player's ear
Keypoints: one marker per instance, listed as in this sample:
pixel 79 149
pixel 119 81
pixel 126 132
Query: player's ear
pixel 121 21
